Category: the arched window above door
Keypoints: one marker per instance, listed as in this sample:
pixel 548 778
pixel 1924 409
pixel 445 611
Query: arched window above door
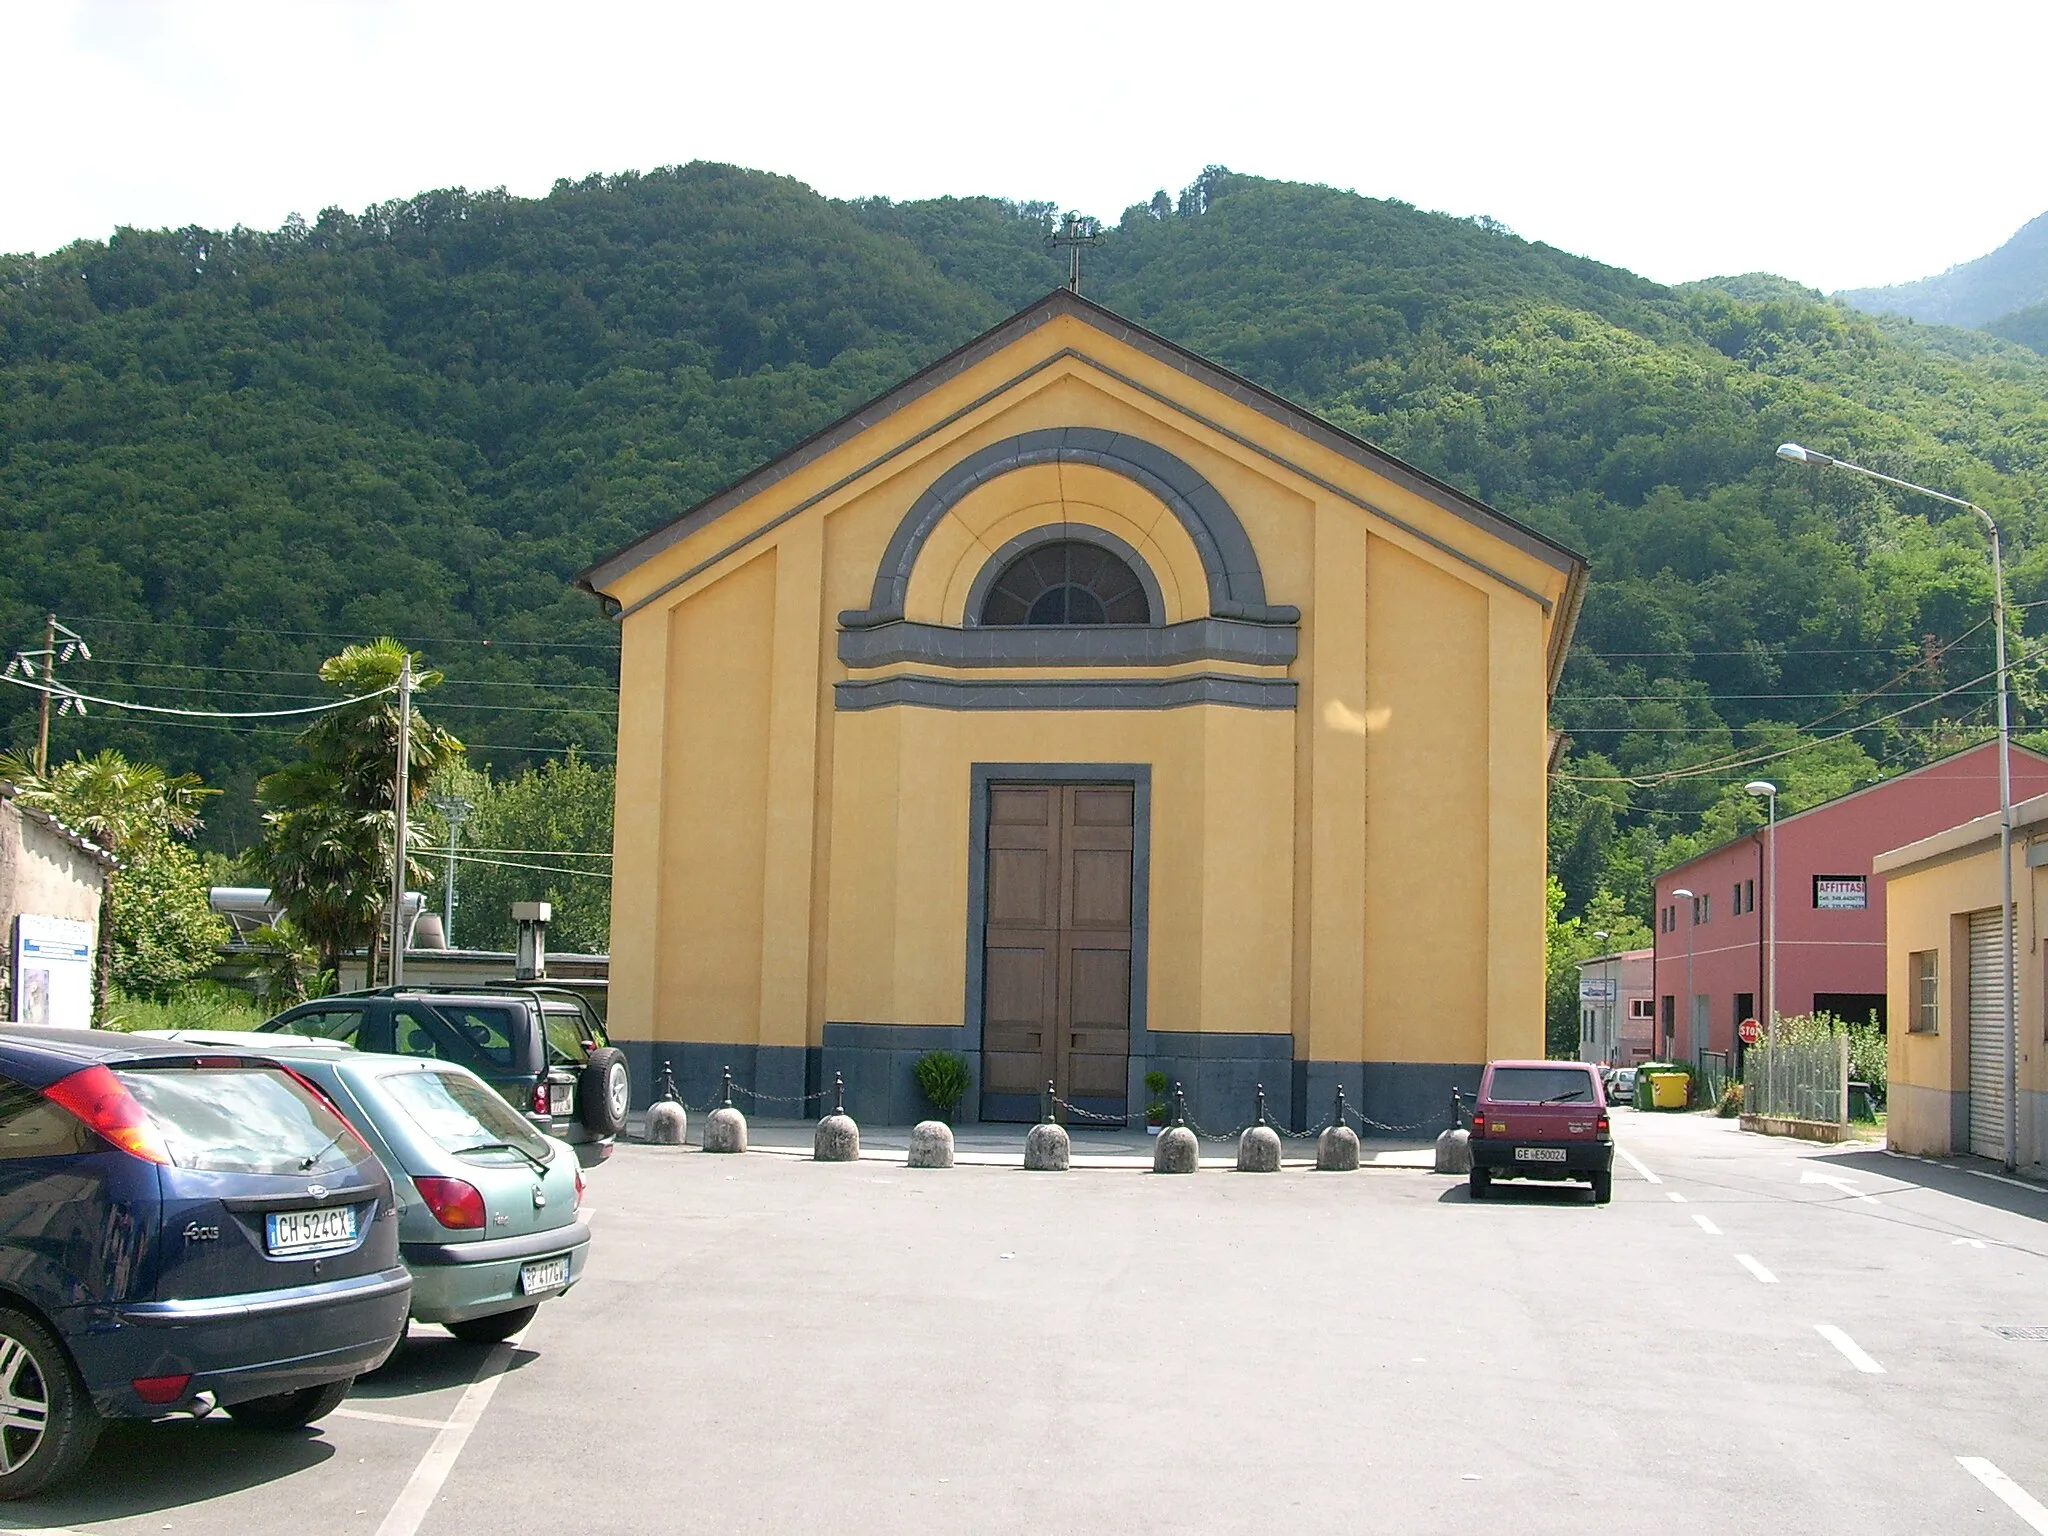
pixel 1066 582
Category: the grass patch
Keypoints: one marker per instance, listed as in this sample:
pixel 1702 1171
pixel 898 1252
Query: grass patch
pixel 196 1005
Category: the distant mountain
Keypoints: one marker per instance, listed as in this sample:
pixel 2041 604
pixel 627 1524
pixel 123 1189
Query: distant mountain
pixel 1975 293
pixel 2028 327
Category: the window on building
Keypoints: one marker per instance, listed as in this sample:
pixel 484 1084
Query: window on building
pixel 1067 582
pixel 1640 1008
pixel 1668 1006
pixel 1749 895
pixel 1923 988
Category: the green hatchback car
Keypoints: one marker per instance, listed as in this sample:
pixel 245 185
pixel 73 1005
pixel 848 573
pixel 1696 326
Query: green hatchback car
pixel 487 1204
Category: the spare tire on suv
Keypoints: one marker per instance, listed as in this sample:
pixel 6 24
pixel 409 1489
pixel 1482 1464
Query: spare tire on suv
pixel 605 1091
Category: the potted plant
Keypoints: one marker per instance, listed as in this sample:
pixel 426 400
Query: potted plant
pixel 1156 1107
pixel 942 1077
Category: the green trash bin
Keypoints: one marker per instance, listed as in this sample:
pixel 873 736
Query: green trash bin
pixel 1861 1105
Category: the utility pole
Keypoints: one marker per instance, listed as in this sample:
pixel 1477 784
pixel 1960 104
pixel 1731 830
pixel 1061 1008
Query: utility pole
pixel 40 666
pixel 455 810
pixel 400 787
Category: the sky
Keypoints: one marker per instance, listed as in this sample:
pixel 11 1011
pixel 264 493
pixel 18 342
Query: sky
pixel 1840 144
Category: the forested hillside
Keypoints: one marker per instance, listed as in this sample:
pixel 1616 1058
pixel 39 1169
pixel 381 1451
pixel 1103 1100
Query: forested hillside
pixel 221 455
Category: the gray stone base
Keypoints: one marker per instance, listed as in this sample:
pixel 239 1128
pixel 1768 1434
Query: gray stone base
pixel 837 1140
pixel 1454 1152
pixel 1337 1150
pixel 1220 1073
pixel 1258 1150
pixel 931 1145
pixel 1176 1151
pixel 725 1131
pixel 668 1124
pixel 1048 1148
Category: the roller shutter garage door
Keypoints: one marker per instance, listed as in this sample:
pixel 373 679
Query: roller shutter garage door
pixel 1987 1036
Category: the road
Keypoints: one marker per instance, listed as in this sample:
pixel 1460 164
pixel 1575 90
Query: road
pixel 1759 1334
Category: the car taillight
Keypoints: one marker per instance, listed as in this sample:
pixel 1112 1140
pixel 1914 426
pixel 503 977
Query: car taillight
pixel 108 1109
pixel 1600 1125
pixel 1479 1123
pixel 540 1097
pixel 579 1187
pixel 454 1203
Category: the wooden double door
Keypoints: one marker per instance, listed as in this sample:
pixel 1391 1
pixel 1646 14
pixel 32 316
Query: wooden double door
pixel 1056 962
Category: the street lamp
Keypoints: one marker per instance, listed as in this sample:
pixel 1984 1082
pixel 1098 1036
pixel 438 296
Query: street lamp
pixel 1608 1031
pixel 455 811
pixel 1692 921
pixel 1799 455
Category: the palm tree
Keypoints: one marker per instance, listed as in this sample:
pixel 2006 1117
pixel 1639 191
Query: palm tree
pixel 124 807
pixel 327 819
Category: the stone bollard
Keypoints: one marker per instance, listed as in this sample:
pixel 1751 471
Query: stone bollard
pixel 1337 1147
pixel 1258 1149
pixel 1454 1146
pixel 838 1138
pixel 1047 1147
pixel 726 1128
pixel 931 1145
pixel 668 1123
pixel 1454 1151
pixel 1177 1150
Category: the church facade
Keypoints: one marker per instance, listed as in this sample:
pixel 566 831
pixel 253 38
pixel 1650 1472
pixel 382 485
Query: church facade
pixel 1082 708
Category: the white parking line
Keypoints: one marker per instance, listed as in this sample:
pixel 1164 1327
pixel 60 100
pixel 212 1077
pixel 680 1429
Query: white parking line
pixel 1672 1194
pixel 1851 1350
pixel 1706 1226
pixel 1999 1178
pixel 1752 1266
pixel 1637 1164
pixel 2015 1498
pixel 389 1418
pixel 425 1483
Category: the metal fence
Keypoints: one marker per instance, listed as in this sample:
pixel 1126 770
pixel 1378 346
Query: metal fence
pixel 1808 1080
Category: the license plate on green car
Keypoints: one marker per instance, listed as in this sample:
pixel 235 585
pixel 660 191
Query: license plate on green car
pixel 543 1275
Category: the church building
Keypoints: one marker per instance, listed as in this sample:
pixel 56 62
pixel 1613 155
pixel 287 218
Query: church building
pixel 1085 709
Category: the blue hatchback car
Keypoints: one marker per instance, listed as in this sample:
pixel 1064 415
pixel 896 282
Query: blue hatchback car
pixel 178 1229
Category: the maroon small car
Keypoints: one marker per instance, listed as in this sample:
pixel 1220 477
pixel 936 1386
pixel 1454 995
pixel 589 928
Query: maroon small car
pixel 1542 1120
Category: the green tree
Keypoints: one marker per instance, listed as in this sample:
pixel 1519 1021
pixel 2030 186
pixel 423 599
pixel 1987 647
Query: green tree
pixel 545 835
pixel 328 821
pixel 1570 940
pixel 136 812
pixel 164 933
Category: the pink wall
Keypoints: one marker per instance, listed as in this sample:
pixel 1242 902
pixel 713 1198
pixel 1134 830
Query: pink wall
pixel 1819 951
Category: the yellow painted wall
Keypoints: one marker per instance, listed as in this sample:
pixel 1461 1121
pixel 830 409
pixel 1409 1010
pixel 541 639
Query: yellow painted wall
pixel 1928 907
pixel 1365 872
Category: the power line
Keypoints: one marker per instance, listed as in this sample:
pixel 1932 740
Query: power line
pixel 359 636
pixel 201 714
pixel 546 853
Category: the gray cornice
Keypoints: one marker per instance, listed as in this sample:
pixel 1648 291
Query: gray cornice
pixel 928 692
pixel 1094 645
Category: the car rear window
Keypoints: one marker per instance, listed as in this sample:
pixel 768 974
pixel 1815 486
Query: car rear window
pixel 241 1119
pixel 565 1035
pixel 1541 1085
pixel 463 1116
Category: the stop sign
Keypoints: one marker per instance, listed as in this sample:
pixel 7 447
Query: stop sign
pixel 1751 1031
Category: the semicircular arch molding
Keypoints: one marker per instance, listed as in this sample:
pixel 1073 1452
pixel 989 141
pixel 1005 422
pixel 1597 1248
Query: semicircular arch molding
pixel 1236 585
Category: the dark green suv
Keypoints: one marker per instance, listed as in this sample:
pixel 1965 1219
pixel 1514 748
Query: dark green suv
pixel 541 1047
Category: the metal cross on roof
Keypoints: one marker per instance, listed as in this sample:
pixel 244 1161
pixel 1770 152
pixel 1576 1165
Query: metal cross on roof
pixel 1075 231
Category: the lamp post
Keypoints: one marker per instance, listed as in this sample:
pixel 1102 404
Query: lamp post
pixel 1799 455
pixel 455 811
pixel 1607 1032
pixel 1692 921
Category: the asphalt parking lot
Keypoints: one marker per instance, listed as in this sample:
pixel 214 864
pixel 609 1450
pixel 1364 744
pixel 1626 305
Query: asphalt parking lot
pixel 1757 1334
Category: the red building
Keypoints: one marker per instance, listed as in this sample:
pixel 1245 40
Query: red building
pixel 1712 910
